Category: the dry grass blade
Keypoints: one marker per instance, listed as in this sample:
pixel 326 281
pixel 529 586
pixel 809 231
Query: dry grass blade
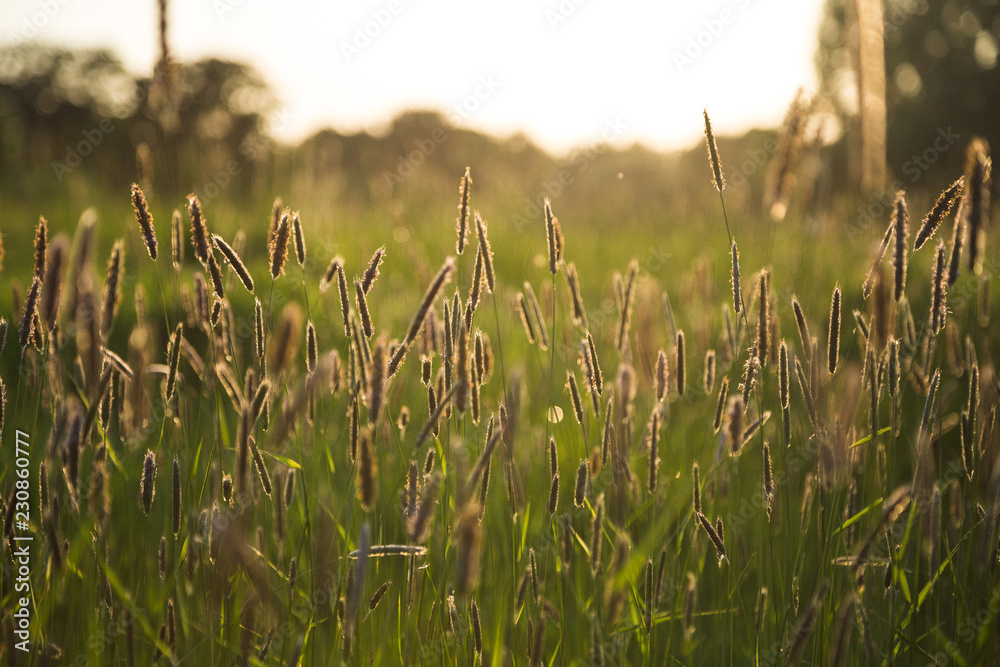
pixel 366 471
pixel 234 261
pixel 806 394
pixel 483 461
pixel 626 306
pixel 523 310
pixel 433 290
pixel 866 287
pixel 174 360
pixel 713 535
pixel 434 418
pixel 537 316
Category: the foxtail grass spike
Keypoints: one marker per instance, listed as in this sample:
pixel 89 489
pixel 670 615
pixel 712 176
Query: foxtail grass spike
pixel 868 285
pixel 734 278
pixel 462 222
pixel 713 156
pixel 977 172
pixel 30 312
pixel 300 239
pixel 362 303
pixel 484 247
pixel 199 231
pixel 147 488
pixel 372 272
pixel 934 217
pixel 145 220
pixel 176 239
pixel 901 230
pixel 41 245
pixel 553 238
pixel 279 246
pixel 234 261
pixel 834 332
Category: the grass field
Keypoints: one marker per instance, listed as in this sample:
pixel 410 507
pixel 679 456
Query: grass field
pixel 729 488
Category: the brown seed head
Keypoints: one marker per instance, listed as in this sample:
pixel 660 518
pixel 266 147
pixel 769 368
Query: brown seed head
pixel 484 247
pixel 145 220
pixel 713 156
pixel 834 333
pixel 30 312
pixel 300 239
pixel 279 246
pixel 147 484
pixel 941 208
pixel 462 222
pixel 234 261
pixel 176 239
pixel 901 230
pixel 662 375
pixel 199 231
pixel 41 243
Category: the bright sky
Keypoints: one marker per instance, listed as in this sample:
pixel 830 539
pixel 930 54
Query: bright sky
pixel 562 71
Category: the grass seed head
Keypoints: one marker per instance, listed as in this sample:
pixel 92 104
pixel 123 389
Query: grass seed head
pixel 941 208
pixel 462 221
pixel 300 239
pixel 145 220
pixel 199 230
pixel 713 155
pixel 279 246
pixel 234 260
pixel 901 231
pixel 147 488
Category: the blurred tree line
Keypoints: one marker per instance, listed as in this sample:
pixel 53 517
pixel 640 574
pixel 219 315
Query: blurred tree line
pixel 61 109
pixel 942 81
pixel 74 124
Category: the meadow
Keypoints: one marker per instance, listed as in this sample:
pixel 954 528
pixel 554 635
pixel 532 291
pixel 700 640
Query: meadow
pixel 456 429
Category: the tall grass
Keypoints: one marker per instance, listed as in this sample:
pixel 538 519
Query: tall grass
pixel 861 528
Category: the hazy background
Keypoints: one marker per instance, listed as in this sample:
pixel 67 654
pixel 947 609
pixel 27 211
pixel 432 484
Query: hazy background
pixel 557 69
pixel 373 110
